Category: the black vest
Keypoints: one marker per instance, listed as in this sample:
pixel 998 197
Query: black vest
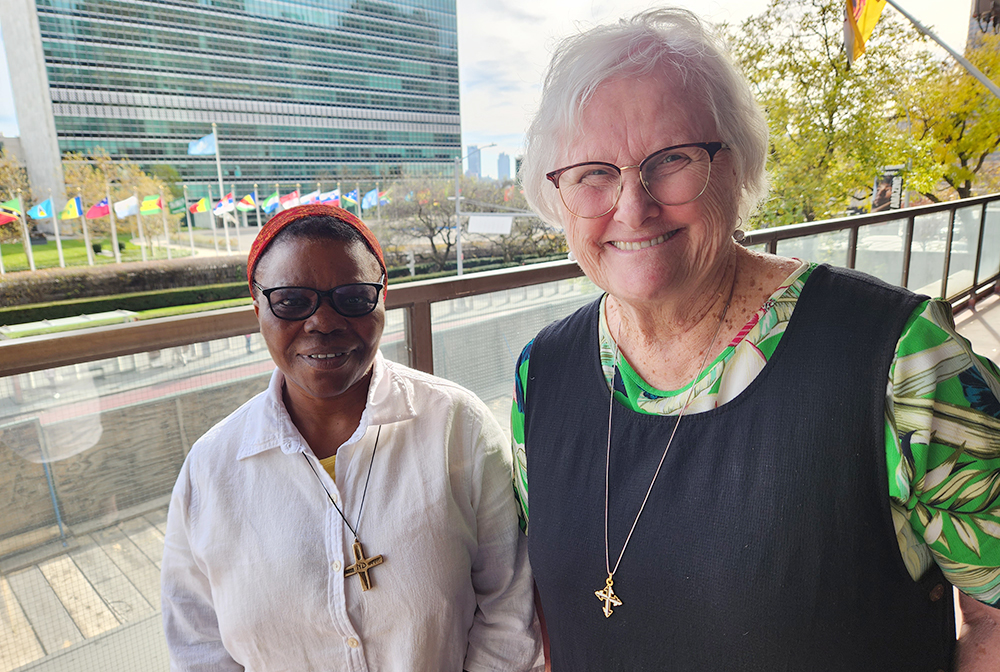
pixel 767 542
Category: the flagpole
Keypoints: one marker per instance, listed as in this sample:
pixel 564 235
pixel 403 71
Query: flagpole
pixel 114 226
pixel 138 224
pixel 55 226
pixel 187 218
pixel 166 231
pixel 236 219
pixel 222 189
pixel 86 233
pixel 256 204
pixel 969 67
pixel 378 202
pixel 26 235
pixel 211 215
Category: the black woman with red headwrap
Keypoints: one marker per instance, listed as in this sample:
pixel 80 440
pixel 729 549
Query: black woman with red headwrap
pixel 357 514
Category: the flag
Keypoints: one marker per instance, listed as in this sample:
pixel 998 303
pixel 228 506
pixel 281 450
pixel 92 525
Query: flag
pixel 202 146
pixel 99 210
pixel 41 211
pixel 351 197
pixel 860 17
pixel 330 197
pixel 201 205
pixel 311 197
pixel 6 218
pixel 507 193
pixel 73 209
pixel 289 200
pixel 370 199
pixel 271 203
pixel 13 205
pixel 130 206
pixel 224 205
pixel 177 206
pixel 151 205
pixel 246 203
pixel 383 199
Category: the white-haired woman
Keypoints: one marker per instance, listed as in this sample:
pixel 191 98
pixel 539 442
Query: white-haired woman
pixel 735 461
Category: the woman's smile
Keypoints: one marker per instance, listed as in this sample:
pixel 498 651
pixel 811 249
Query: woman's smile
pixel 629 246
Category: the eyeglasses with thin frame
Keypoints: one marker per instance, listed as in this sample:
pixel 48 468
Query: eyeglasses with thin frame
pixel 671 176
pixel 356 299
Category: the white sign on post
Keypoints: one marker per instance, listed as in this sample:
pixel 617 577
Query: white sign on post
pixel 491 224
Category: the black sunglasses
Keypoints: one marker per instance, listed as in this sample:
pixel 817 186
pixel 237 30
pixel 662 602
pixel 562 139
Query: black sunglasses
pixel 298 303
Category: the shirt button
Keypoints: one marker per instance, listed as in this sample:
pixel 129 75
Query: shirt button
pixel 336 565
pixel 353 643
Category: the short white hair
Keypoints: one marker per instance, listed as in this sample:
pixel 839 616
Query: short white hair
pixel 669 40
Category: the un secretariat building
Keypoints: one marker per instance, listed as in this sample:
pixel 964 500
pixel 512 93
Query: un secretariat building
pixel 301 90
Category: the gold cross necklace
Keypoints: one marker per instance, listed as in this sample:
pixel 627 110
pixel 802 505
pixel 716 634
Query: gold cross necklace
pixel 607 594
pixel 362 565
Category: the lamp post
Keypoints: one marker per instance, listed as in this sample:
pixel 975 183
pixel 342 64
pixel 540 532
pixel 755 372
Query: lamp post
pixel 458 201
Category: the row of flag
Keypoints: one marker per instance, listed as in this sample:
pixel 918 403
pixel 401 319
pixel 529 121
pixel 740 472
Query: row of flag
pixel 150 205
pixel 154 205
pixel 228 203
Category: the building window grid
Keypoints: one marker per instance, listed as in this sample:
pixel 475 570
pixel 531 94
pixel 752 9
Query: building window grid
pixel 284 154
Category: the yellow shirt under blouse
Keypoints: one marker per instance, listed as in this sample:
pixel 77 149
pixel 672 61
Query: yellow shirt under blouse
pixel 329 463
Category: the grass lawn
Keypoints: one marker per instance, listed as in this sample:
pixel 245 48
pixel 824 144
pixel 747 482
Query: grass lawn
pixel 47 256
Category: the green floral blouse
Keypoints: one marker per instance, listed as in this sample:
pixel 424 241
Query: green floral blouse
pixel 942 431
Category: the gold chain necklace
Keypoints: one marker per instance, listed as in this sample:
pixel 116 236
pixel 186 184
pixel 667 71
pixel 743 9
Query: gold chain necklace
pixel 607 594
pixel 361 565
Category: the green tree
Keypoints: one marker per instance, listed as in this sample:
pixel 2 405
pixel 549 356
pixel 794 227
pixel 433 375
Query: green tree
pixel 94 176
pixel 833 127
pixel 13 176
pixel 419 211
pixel 955 119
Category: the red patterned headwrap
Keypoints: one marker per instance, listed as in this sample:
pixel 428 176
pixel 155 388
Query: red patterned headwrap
pixel 286 217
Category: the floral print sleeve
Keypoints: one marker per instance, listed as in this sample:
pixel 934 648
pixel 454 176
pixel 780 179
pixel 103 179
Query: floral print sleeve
pixel 943 454
pixel 517 438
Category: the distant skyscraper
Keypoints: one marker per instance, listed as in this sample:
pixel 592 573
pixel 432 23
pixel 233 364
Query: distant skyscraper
pixel 301 90
pixel 503 167
pixel 475 162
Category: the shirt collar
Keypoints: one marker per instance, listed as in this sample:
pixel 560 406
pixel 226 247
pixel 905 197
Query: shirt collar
pixel 390 399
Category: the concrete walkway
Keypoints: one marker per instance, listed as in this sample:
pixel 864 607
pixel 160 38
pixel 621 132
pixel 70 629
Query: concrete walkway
pixel 981 325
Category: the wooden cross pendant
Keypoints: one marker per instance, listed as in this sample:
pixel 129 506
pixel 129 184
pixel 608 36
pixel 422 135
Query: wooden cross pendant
pixel 608 597
pixel 362 565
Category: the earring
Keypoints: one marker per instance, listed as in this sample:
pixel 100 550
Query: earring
pixel 738 235
pixel 571 256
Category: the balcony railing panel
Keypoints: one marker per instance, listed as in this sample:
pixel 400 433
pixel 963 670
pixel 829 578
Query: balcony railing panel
pixel 989 258
pixel 880 250
pixel 830 247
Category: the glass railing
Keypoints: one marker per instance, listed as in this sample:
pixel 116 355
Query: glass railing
pixel 94 424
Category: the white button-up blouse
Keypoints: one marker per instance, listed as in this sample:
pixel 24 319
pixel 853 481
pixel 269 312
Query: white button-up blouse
pixel 253 571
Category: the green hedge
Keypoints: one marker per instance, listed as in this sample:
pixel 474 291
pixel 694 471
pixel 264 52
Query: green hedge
pixel 193 296
pixel 135 302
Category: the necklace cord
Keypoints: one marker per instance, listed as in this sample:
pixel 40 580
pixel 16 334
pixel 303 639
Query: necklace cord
pixel 357 524
pixel 670 440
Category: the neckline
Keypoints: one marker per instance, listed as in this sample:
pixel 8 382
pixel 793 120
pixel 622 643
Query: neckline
pixel 606 345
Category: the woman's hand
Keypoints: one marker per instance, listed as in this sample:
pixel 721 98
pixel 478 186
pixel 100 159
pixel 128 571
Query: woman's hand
pixel 979 641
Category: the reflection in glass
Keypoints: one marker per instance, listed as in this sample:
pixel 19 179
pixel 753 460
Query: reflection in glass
pixel 964 239
pixel 989 261
pixel 880 250
pixel 930 234
pixel 824 248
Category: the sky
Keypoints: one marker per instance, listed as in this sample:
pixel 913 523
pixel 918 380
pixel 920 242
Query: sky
pixel 504 47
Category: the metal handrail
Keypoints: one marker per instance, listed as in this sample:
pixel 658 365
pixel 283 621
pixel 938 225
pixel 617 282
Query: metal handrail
pixel 35 353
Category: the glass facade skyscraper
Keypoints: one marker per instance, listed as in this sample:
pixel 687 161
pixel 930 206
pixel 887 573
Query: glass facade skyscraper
pixel 301 90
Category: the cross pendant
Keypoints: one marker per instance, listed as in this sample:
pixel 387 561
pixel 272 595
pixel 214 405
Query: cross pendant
pixel 362 565
pixel 608 597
